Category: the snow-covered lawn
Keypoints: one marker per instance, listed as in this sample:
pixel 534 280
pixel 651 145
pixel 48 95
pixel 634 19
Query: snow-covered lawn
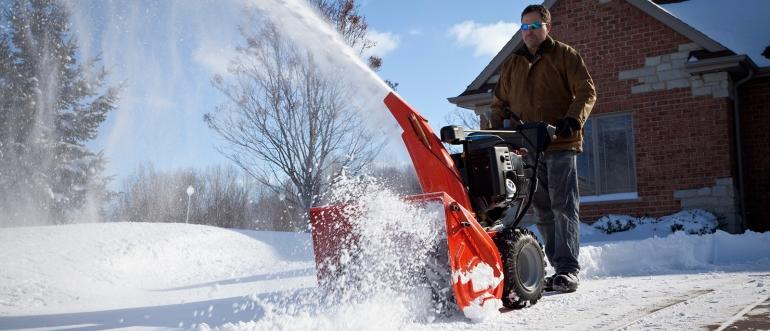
pixel 168 276
pixel 143 274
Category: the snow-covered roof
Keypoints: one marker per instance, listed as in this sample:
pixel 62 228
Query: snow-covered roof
pixel 741 26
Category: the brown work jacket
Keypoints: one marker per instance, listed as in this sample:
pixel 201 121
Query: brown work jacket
pixel 551 85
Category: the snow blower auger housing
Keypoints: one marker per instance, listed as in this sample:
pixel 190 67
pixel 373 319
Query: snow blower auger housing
pixel 485 192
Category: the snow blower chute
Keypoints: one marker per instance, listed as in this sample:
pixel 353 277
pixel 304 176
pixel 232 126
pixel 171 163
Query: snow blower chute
pixel 485 193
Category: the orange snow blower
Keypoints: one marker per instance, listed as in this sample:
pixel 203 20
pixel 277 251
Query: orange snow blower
pixel 485 193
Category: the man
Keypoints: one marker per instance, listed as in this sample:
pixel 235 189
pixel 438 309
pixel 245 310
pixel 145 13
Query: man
pixel 548 81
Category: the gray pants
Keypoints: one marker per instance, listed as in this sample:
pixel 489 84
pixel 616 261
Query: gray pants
pixel 556 204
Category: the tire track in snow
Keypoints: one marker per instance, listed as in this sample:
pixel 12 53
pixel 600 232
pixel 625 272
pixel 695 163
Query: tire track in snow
pixel 674 302
pixel 722 301
pixel 612 303
pixel 612 316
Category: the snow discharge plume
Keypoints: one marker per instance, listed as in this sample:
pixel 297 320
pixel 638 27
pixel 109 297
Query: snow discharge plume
pixel 395 246
pixel 305 28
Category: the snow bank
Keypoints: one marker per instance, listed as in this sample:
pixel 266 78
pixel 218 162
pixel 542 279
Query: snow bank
pixel 747 248
pixel 675 253
pixel 678 252
pixel 687 241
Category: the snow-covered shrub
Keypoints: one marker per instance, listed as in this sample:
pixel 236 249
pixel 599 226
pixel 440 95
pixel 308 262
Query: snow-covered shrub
pixel 615 223
pixel 694 221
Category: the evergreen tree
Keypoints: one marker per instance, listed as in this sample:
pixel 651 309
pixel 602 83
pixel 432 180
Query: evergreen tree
pixel 51 106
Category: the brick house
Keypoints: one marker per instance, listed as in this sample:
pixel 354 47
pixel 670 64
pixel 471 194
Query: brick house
pixel 681 121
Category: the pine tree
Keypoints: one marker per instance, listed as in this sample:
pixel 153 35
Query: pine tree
pixel 51 106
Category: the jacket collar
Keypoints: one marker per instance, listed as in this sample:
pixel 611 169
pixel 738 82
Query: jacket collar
pixel 545 46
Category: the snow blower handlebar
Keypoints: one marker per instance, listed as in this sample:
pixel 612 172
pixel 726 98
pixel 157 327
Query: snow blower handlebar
pixel 536 136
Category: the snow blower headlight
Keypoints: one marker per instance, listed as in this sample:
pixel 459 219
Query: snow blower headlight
pixel 453 135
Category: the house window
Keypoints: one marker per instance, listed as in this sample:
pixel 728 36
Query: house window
pixel 606 167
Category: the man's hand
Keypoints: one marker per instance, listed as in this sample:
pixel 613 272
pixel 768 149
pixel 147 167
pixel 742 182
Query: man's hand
pixel 565 127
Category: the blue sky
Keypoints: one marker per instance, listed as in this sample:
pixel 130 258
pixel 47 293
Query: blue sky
pixel 441 45
pixel 165 54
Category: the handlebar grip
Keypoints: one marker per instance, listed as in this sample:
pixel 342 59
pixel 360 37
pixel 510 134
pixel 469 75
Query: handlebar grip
pixel 551 131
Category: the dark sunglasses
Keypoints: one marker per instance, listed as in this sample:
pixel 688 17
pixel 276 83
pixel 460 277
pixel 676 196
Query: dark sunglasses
pixel 532 26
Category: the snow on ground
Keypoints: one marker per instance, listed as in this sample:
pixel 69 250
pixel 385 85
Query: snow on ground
pixel 180 276
pixel 105 273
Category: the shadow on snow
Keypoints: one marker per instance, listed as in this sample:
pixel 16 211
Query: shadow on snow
pixel 255 278
pixel 185 315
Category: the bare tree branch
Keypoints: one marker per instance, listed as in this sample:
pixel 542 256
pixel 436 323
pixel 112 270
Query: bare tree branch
pixel 287 120
pixel 343 16
pixel 465 118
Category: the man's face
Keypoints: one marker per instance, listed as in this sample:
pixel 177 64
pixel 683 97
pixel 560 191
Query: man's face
pixel 534 37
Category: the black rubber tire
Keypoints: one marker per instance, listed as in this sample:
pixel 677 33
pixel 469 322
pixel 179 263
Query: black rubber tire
pixel 523 267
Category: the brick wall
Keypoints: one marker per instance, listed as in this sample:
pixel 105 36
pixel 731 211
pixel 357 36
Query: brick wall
pixel 755 122
pixel 682 141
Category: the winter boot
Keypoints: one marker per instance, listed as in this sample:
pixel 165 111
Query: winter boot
pixel 565 282
pixel 548 283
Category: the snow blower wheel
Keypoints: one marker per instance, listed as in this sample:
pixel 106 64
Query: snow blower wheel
pixel 524 267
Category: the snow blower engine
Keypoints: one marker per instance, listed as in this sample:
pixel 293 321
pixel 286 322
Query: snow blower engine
pixel 494 168
pixel 485 191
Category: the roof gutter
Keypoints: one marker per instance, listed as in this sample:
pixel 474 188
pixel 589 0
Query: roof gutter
pixel 471 101
pixel 763 72
pixel 732 63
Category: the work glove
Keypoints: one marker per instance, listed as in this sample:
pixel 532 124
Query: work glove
pixel 566 127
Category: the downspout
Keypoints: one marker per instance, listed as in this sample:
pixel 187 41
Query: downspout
pixel 738 146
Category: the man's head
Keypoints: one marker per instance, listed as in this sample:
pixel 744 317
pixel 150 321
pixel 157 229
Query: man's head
pixel 535 25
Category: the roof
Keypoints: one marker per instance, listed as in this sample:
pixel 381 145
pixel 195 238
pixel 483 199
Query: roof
pixel 741 26
pixel 702 21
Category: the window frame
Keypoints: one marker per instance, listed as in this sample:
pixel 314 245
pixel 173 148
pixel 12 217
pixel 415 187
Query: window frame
pixel 616 196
